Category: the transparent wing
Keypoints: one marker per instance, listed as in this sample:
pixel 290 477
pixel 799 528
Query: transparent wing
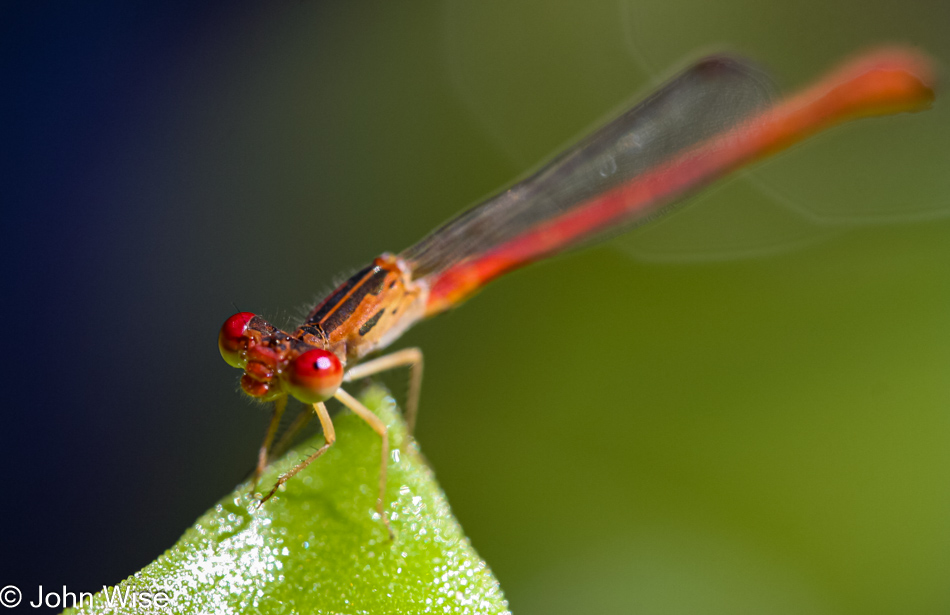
pixel 707 99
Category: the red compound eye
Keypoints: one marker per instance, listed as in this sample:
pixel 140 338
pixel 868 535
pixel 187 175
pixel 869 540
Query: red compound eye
pixel 314 376
pixel 232 341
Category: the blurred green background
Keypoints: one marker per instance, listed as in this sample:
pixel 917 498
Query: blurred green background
pixel 744 409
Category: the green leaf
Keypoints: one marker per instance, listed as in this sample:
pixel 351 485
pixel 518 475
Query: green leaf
pixel 318 546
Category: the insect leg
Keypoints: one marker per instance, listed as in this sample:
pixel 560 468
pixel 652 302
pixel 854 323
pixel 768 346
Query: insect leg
pixel 280 404
pixel 328 433
pixel 408 357
pixel 380 428
pixel 286 438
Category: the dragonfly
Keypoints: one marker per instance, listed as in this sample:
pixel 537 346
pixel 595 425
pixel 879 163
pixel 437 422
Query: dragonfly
pixel 718 115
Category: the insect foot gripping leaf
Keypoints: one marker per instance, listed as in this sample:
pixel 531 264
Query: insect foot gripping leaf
pixel 318 545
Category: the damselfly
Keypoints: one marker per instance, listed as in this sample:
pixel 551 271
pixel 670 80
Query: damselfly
pixel 713 118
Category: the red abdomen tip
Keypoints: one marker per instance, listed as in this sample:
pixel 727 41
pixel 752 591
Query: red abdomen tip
pixel 885 80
